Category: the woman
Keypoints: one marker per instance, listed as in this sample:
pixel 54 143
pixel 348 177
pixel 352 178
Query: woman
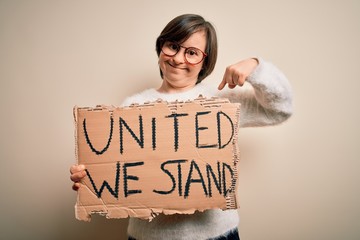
pixel 187 51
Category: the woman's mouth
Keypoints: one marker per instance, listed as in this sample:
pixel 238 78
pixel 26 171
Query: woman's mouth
pixel 176 66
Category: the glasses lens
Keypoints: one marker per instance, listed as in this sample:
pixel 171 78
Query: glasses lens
pixel 194 55
pixel 170 48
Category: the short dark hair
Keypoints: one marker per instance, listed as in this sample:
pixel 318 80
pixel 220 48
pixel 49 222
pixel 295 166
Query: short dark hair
pixel 181 28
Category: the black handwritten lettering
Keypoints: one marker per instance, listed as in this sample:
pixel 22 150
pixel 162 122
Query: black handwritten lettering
pixel 153 131
pixel 176 127
pixel 172 178
pixel 139 140
pixel 190 179
pixel 225 189
pixel 209 176
pixel 218 177
pixel 217 182
pixel 127 177
pixel 114 192
pixel 89 142
pixel 197 129
pixel 219 128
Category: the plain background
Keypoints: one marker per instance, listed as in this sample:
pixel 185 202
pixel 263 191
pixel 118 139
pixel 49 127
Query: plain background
pixel 299 180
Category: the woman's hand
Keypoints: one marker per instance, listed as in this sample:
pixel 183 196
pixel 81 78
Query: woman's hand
pixel 77 174
pixel 236 74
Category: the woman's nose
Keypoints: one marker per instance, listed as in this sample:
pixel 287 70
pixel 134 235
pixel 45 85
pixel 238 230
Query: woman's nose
pixel 179 57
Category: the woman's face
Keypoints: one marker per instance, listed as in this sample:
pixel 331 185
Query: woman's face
pixel 178 75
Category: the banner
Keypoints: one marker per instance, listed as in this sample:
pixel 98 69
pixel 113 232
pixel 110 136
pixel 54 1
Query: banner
pixel 159 157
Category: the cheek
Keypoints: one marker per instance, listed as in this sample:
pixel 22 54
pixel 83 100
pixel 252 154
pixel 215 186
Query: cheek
pixel 162 59
pixel 196 69
pixel 161 64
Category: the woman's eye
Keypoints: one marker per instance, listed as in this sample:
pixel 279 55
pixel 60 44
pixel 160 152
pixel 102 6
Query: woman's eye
pixel 173 46
pixel 192 52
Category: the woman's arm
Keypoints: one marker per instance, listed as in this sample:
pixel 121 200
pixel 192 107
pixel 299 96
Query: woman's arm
pixel 268 99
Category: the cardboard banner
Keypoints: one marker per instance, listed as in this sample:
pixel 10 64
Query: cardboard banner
pixel 159 157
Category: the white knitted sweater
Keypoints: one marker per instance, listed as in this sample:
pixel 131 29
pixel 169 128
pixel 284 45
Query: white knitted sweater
pixel 267 100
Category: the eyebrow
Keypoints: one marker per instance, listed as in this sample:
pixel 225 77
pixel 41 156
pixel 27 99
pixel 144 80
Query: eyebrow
pixel 186 47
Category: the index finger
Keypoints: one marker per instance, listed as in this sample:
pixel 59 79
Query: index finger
pixel 222 84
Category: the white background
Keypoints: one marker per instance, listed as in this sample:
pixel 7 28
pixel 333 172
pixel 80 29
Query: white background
pixel 299 180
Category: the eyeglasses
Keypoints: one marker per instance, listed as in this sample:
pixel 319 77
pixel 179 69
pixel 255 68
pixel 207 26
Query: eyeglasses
pixel 192 55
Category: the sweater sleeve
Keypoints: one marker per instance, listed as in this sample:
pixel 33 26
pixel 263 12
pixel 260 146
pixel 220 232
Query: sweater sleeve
pixel 266 100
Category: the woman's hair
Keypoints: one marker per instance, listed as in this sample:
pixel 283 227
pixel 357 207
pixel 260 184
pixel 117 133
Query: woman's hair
pixel 181 28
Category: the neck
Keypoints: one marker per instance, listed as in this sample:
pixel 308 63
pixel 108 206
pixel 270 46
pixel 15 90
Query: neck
pixel 168 88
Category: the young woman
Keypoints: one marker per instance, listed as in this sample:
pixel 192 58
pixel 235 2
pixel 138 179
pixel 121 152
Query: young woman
pixel 187 52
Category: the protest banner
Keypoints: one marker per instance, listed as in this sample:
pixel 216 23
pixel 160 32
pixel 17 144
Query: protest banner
pixel 158 157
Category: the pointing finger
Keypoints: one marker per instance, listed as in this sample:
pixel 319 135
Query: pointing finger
pixel 222 84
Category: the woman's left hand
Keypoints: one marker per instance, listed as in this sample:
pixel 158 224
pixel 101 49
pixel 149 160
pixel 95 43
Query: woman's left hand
pixel 236 74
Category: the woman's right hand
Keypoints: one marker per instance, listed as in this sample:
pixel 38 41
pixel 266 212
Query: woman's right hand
pixel 77 174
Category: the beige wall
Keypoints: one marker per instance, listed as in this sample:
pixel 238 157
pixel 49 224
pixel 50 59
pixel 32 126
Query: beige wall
pixel 299 180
